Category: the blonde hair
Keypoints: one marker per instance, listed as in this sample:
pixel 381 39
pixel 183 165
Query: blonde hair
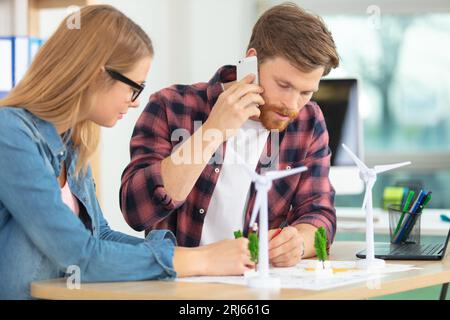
pixel 55 87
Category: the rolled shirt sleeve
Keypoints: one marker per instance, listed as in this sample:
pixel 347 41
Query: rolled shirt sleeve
pixel 143 198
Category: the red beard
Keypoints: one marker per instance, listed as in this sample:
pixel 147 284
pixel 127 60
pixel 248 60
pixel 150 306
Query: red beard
pixel 271 120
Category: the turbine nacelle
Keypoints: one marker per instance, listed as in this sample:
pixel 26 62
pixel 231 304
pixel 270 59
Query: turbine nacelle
pixel 366 175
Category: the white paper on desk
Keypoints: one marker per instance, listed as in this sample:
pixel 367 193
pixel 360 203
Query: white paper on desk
pixel 389 268
pixel 298 277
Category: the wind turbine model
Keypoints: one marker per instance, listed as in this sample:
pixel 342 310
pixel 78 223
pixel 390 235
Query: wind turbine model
pixel 263 183
pixel 369 176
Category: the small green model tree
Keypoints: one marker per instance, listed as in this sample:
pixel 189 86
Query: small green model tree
pixel 237 234
pixel 252 244
pixel 320 244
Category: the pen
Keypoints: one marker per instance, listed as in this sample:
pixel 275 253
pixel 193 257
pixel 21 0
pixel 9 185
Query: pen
pixel 418 201
pixel 404 229
pixel 405 208
pixel 421 204
pixel 280 228
pixel 416 210
pixel 425 201
pixel 428 198
pixel 404 197
pixel 408 201
pixel 410 220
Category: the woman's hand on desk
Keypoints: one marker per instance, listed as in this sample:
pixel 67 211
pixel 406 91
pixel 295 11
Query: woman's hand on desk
pixel 226 257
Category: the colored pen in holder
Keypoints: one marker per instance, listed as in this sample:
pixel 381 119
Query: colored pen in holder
pixel 404 226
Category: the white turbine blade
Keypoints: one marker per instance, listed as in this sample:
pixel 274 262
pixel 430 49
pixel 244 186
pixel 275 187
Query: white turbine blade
pixel 358 162
pixel 281 174
pixel 241 161
pixel 256 208
pixel 387 167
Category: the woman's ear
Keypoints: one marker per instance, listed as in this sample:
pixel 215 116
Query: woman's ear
pixel 101 78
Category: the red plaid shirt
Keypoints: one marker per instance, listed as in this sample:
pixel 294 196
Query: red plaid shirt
pixel 306 198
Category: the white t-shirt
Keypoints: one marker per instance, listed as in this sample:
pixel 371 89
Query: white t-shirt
pixel 226 209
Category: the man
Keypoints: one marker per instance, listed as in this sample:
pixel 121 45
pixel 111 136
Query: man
pixel 207 197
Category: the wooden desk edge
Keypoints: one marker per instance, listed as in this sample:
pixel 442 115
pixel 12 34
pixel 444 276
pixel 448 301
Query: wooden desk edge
pixel 433 273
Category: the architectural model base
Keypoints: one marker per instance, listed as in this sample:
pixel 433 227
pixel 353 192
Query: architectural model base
pixel 264 282
pixel 370 264
pixel 322 273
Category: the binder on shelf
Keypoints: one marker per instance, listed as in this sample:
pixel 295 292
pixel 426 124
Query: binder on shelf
pixel 35 44
pixel 16 54
pixel 6 64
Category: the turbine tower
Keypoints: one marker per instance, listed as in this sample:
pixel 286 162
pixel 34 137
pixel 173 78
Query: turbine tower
pixel 369 177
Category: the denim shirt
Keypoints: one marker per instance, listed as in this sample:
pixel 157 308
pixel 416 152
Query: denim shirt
pixel 40 237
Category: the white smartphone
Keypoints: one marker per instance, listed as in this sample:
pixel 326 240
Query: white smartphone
pixel 247 66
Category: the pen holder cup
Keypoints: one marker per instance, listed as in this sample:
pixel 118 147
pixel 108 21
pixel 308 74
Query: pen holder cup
pixel 404 227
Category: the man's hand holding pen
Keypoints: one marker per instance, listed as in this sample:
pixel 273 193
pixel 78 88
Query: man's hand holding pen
pixel 286 246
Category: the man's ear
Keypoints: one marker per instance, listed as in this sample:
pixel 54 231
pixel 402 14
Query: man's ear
pixel 251 52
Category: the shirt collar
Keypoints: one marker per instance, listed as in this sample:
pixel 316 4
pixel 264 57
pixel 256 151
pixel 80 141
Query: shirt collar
pixel 50 135
pixel 215 88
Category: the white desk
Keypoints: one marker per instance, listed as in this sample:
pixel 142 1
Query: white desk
pixel 353 220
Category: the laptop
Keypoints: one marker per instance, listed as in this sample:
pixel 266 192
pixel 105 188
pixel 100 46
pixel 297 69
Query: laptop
pixel 409 251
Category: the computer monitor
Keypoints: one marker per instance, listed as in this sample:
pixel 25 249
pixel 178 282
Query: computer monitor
pixel 338 100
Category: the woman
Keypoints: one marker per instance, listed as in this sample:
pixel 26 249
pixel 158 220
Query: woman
pixel 50 220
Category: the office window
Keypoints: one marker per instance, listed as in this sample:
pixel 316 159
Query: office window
pixel 402 62
pixel 399 50
pixel 402 65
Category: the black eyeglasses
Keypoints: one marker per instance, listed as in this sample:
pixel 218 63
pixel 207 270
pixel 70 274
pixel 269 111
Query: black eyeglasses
pixel 136 87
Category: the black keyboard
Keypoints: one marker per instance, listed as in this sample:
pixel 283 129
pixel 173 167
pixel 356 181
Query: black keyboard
pixel 417 249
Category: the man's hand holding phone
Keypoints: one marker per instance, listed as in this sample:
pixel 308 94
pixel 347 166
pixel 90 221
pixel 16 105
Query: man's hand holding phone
pixel 235 106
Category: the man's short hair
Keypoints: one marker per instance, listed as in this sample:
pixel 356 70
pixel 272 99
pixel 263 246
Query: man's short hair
pixel 290 32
